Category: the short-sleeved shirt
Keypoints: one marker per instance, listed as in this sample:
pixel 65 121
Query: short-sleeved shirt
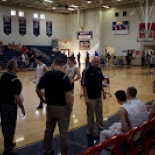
pixel 10 86
pixel 55 83
pixel 92 80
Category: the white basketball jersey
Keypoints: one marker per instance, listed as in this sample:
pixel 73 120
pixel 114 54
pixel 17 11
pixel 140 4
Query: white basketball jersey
pixel 70 71
pixel 40 72
pixel 137 112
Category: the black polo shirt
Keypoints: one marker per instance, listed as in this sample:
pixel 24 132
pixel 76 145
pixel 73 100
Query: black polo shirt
pixel 55 83
pixel 9 87
pixel 92 79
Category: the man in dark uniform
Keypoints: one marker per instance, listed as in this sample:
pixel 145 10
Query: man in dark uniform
pixel 59 101
pixel 92 87
pixel 10 89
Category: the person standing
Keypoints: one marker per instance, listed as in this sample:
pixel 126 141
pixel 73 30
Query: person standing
pixel 31 59
pixel 92 78
pixel 72 71
pixel 78 58
pixel 59 100
pixel 10 89
pixel 40 71
pixel 143 58
pixel 129 57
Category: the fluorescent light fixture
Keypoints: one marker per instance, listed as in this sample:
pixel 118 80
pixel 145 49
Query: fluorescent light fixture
pixel 118 0
pixel 35 15
pixel 13 12
pixel 49 1
pixel 42 16
pixel 89 1
pixel 74 6
pixel 3 0
pixel 21 14
pixel 54 8
pixel 106 7
pixel 70 9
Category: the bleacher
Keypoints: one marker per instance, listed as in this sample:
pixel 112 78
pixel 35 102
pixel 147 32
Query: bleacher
pixel 47 50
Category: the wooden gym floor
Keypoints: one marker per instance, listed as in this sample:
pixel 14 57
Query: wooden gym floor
pixel 31 127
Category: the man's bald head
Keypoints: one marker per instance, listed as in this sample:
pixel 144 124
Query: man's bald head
pixel 95 61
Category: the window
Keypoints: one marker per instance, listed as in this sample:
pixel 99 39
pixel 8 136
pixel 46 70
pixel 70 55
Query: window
pixel 35 15
pixel 13 12
pixel 42 16
pixel 21 14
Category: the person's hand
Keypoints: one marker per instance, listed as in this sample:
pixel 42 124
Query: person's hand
pixel 69 109
pixel 87 101
pixel 104 95
pixel 71 80
pixel 23 112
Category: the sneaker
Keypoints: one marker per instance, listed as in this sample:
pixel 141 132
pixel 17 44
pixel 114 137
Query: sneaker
pixel 93 134
pixel 13 145
pixel 40 107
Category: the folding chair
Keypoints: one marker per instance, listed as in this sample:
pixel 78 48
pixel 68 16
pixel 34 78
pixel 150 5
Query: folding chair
pixel 95 150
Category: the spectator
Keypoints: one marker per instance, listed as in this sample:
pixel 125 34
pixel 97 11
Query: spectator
pixel 13 46
pixel 24 49
pixel 9 47
pixel 92 87
pixel 78 58
pixel 22 57
pixel 59 105
pixel 19 47
pixel 10 89
pixel 1 45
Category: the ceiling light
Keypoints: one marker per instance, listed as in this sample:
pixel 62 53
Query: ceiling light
pixel 89 1
pixel 70 9
pixel 54 8
pixel 3 0
pixel 118 0
pixel 50 1
pixel 74 6
pixel 106 7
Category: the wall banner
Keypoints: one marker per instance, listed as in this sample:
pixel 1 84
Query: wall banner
pixel 36 27
pixel 22 25
pixel 7 24
pixel 48 28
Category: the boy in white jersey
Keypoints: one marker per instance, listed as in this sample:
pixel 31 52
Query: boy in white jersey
pixel 117 126
pixel 72 71
pixel 41 69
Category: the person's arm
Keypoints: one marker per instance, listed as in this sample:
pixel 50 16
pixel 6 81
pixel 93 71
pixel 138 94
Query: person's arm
pixel 64 68
pixel 78 76
pixel 152 111
pixel 19 103
pixel 70 100
pixel 40 86
pixel 46 69
pixel 122 114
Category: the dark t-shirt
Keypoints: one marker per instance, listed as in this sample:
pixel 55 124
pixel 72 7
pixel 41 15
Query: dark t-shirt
pixel 9 86
pixel 92 79
pixel 55 83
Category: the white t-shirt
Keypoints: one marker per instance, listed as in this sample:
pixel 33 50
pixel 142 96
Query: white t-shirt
pixel 23 58
pixel 70 71
pixel 40 72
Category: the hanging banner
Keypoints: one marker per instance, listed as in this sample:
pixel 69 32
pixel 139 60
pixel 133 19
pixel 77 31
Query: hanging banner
pixel 22 26
pixel 85 35
pixel 48 28
pixel 7 24
pixel 36 27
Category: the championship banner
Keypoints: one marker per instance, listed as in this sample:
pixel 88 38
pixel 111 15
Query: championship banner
pixel 7 24
pixel 85 35
pixel 48 28
pixel 36 27
pixel 22 26
pixel 120 27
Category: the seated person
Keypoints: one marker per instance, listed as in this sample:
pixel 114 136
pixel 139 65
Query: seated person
pixel 13 46
pixel 116 127
pixel 1 45
pixel 9 47
pixel 151 104
pixel 132 113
